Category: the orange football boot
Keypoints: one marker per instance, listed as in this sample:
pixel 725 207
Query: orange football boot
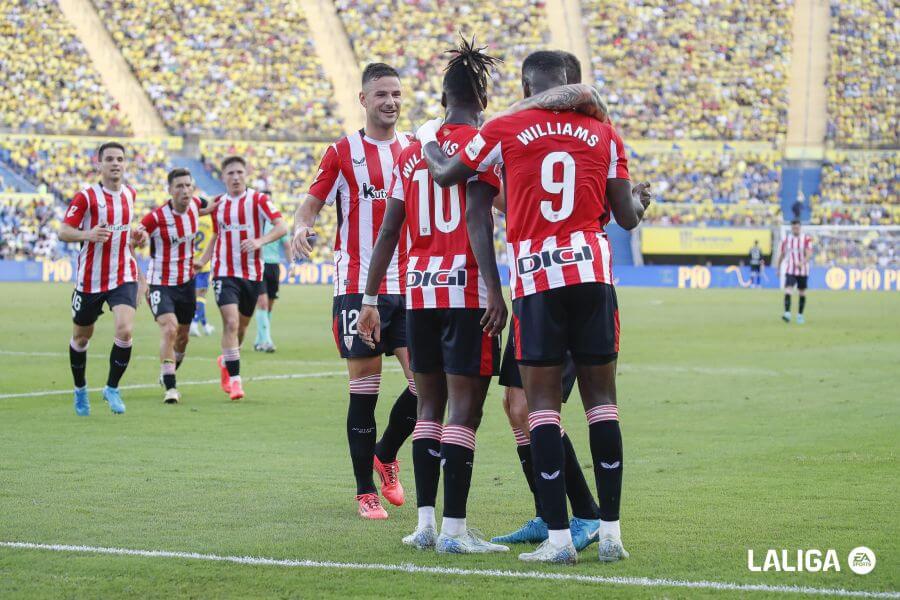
pixel 370 507
pixel 236 391
pixel 224 377
pixel 391 488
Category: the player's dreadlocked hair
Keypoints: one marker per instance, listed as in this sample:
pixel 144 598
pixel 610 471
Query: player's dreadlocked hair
pixel 466 75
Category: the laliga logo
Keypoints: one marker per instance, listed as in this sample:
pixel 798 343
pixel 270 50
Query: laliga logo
pixel 861 561
pixel 436 278
pixel 530 263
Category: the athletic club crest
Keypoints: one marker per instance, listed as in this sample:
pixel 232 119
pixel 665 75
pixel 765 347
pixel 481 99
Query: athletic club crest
pixel 348 341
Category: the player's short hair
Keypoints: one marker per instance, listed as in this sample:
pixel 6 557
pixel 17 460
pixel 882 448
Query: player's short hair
pixel 573 66
pixel 109 146
pixel 466 75
pixel 233 159
pixel 544 62
pixel 176 173
pixel 795 222
pixel 375 71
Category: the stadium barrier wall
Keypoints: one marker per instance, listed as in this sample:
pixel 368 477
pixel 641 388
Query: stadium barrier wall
pixel 675 276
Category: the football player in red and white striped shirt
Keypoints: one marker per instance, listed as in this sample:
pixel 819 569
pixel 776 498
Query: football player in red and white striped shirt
pixel 237 265
pixel 99 217
pixel 564 173
pixel 171 229
pixel 451 357
pixel 354 174
pixel 796 253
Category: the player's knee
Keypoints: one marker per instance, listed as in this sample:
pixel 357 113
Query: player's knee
pixel 81 339
pixel 169 331
pixel 124 331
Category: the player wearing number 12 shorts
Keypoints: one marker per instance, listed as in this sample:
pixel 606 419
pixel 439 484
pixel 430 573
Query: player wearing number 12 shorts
pixel 354 175
pixel 563 172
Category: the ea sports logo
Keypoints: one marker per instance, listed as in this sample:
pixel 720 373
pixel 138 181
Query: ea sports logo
pixel 861 560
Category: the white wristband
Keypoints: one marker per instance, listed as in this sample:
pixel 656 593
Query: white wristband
pixel 370 300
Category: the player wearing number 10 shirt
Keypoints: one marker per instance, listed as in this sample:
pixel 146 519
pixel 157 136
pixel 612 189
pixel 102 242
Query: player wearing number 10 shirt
pixel 564 173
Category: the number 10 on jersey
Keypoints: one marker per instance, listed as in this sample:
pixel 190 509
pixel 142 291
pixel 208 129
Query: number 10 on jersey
pixel 438 194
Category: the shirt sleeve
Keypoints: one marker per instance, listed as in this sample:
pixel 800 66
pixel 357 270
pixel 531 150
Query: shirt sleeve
pixel 397 184
pixel 491 177
pixel 328 177
pixel 76 211
pixel 618 158
pixel 268 207
pixel 201 202
pixel 483 150
pixel 149 222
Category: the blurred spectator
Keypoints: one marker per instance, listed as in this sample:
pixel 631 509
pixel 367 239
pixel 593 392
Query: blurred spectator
pixel 412 36
pixel 28 230
pixel 229 68
pixel 49 83
pixel 66 164
pixel 859 188
pixel 693 69
pixel 862 76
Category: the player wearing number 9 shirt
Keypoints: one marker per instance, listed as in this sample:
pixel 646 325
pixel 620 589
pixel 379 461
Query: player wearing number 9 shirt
pixel 563 174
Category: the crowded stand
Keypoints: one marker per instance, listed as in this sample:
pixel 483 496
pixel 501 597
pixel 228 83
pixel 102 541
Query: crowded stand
pixel 862 76
pixel 693 70
pixel 226 68
pixel 430 27
pixel 28 228
pixel 51 87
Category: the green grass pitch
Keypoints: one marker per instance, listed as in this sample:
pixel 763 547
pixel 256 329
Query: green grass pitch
pixel 740 432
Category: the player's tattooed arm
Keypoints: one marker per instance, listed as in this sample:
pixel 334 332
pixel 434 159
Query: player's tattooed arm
pixel 576 96
pixel 480 226
pixel 628 203
pixel 369 322
pixel 304 223
pixel 445 170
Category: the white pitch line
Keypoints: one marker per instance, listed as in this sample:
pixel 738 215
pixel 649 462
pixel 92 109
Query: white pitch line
pixel 142 386
pixel 491 573
pixel 622 367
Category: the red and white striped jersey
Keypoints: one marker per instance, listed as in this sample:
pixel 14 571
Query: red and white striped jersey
pixel 102 267
pixel 236 220
pixel 556 166
pixel 794 249
pixel 356 172
pixel 441 271
pixel 172 242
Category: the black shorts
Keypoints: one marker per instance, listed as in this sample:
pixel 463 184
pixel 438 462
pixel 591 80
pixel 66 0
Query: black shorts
pixel 86 308
pixel 236 290
pixel 754 268
pixel 583 319
pixel 510 376
pixel 451 340
pixel 796 280
pixel 178 299
pixel 271 279
pixel 345 313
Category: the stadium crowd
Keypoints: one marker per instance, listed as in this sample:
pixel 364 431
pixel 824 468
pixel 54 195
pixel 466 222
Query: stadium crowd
pixel 229 68
pixel 862 78
pixel 703 69
pixel 49 83
pixel 859 188
pixel 66 164
pixel 428 28
pixel 28 230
